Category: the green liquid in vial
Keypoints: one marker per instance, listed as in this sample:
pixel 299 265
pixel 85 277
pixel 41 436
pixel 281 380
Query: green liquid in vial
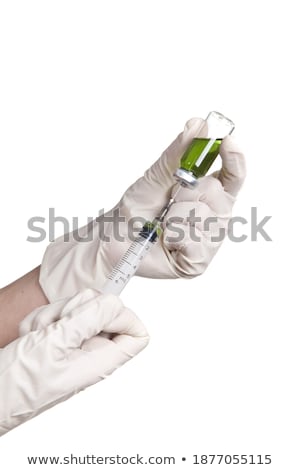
pixel 189 159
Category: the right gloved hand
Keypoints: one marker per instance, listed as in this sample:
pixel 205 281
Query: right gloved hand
pixel 69 266
pixel 65 347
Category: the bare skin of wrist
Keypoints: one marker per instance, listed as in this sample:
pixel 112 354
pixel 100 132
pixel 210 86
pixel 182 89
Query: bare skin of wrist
pixel 17 300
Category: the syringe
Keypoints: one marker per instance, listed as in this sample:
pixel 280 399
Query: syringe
pixel 194 163
pixel 130 261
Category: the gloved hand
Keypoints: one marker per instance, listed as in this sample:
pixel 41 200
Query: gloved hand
pixel 69 266
pixel 65 347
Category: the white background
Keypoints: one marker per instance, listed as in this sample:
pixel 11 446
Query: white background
pixel 90 94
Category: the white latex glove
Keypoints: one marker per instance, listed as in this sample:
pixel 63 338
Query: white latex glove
pixel 68 266
pixel 66 346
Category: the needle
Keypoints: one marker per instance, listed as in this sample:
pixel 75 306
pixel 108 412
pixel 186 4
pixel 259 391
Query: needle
pixel 165 210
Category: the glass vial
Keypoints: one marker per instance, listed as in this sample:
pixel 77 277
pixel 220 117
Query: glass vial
pixel 202 152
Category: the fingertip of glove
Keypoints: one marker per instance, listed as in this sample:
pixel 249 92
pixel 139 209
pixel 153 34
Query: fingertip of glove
pixel 144 341
pixel 234 169
pixel 134 324
pixel 233 156
pixel 193 122
pixel 194 127
pixel 231 144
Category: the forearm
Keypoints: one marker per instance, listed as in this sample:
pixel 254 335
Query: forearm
pixel 17 300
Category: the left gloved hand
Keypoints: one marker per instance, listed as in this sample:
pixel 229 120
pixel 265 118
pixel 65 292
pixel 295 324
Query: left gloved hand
pixel 64 348
pixel 69 266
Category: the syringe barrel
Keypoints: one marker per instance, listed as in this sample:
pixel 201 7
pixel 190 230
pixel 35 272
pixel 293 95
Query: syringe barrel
pixel 130 261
